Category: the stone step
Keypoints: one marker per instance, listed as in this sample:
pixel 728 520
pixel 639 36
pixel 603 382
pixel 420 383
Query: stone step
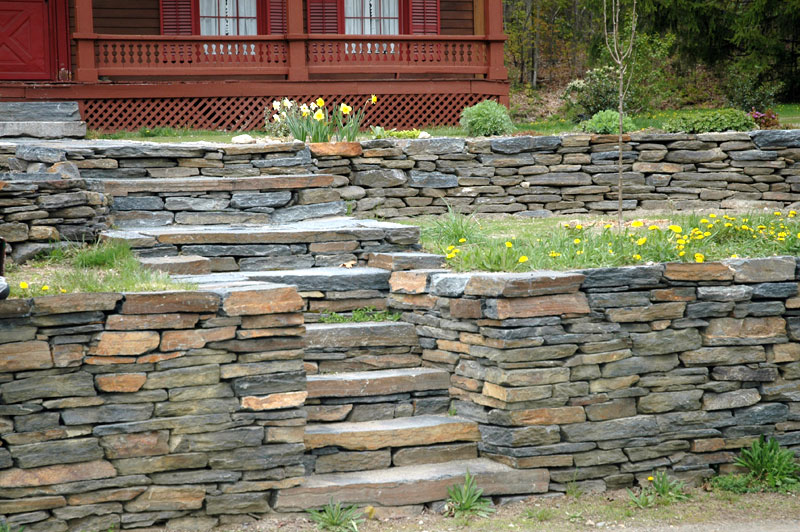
pixel 181 265
pixel 398 432
pixel 39 111
pixel 43 130
pixel 407 261
pixel 365 334
pixel 193 185
pixel 418 484
pixel 305 279
pixel 380 382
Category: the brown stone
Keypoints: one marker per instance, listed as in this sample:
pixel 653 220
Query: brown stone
pixel 32 504
pixel 548 416
pixel 422 301
pixel 274 401
pixel 82 302
pixel 273 300
pixel 465 308
pixel 532 307
pixel 160 498
pixel 763 270
pixel 531 284
pixel 21 356
pixel 708 445
pixel 122 382
pixel 125 343
pixel 747 331
pixel 125 322
pixel 152 358
pixel 108 361
pixel 136 444
pixel 673 294
pixel 452 345
pixel 167 302
pixel 609 385
pixel 267 333
pixel 43 232
pixel 68 355
pixel 56 474
pixel 607 139
pixel 194 338
pixel 328 412
pixel 409 282
pixel 780 353
pixel 15 308
pixel 272 320
pixel 330 247
pixel 689 271
pixel 101 496
pixel 613 409
pixel 532 462
pixel 341 149
pixel 386 382
pixel 179 265
pixel 517 395
pixel 434 455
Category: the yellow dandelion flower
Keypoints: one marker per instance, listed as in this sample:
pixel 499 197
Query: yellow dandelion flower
pixel 450 255
pixel 45 288
pixel 707 233
pixel 462 240
pixel 777 213
pixel 675 228
pixel 682 253
pixel 577 241
pixel 712 215
pixel 641 241
pixel 450 248
pixel 703 221
pixel 650 479
pixel 523 259
pixel 734 256
pixel 456 250
pixel 637 257
pixel 699 257
pixel 23 285
pixel 637 223
pixel 509 245
pixel 579 252
pixel 607 226
pixel 728 224
pixel 610 251
pixel 63 291
pixel 653 228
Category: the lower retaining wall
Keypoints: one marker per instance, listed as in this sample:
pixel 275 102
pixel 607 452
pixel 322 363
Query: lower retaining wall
pixel 125 410
pixel 604 375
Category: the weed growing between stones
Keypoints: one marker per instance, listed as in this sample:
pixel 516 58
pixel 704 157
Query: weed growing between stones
pixel 361 315
pixel 466 500
pixel 769 468
pixel 662 490
pixel 334 517
pixel 472 245
pixel 106 267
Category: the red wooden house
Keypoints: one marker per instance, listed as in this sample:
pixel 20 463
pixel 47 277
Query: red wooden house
pixel 218 63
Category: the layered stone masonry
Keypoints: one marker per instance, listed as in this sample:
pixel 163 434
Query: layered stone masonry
pixel 129 410
pixel 604 375
pixel 529 176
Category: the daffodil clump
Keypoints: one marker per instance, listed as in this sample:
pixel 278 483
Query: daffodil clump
pixel 313 121
pixel 573 245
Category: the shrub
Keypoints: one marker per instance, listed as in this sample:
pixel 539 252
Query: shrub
pixel 747 86
pixel 766 120
pixel 715 120
pixel 607 122
pixel 769 464
pixel 486 118
pixel 337 518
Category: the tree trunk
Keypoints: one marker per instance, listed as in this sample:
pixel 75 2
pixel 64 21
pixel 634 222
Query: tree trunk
pixel 619 145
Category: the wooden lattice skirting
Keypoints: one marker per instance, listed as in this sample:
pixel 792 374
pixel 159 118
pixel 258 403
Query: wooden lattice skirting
pixel 244 113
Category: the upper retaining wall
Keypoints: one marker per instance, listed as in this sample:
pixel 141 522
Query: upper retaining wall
pixel 604 375
pixel 531 176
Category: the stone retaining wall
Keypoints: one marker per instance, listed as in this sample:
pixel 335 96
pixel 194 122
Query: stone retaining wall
pixel 530 176
pixel 125 410
pixel 604 375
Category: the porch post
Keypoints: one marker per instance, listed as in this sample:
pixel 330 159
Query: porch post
pixel 493 24
pixel 86 69
pixel 297 37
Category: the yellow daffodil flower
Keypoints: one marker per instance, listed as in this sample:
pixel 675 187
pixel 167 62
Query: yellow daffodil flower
pixel 320 102
pixel 345 109
pixel 373 99
pixel 319 115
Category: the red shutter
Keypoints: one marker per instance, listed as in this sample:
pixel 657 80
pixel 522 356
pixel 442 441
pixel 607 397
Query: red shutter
pixel 176 17
pixel 323 16
pixel 425 17
pixel 277 16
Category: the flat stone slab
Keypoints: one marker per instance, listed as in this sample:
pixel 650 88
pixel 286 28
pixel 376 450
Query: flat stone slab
pixel 319 230
pixel 43 130
pixel 407 261
pixel 39 111
pixel 398 432
pixel 382 382
pixel 345 335
pixel 123 187
pixel 305 279
pixel 181 265
pixel 399 486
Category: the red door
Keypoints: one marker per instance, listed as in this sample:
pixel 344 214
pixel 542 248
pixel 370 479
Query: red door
pixel 25 46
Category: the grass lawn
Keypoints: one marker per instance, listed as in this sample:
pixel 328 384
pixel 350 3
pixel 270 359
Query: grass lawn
pixel 580 241
pixel 105 267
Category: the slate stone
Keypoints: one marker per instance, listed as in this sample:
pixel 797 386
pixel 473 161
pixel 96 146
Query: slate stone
pixel 639 365
pixel 449 284
pixel 195 204
pixel 540 450
pixel 435 146
pixel 258 458
pixel 655 403
pixel 239 503
pixel 736 399
pixel 632 276
pixel 302 158
pixel 773 138
pixel 762 414
pixel 774 290
pixel 520 437
pixel 137 203
pixel 250 200
pixel 40 111
pixel 419 179
pixel 232 250
pixel 632 427
pixel 306 212
pixel 56 452
pixel 753 155
pixel 107 414
pixel 726 293
pixel 666 341
pixel 80 384
pixel 744 373
pixel 217 441
pixel 709 309
pixel 385 178
pixel 33 153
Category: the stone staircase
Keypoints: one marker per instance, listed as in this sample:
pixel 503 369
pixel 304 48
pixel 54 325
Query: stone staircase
pixel 379 426
pixel 41 120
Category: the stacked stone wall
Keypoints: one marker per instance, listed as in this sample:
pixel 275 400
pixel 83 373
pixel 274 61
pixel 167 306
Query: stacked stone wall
pixel 127 410
pixel 605 375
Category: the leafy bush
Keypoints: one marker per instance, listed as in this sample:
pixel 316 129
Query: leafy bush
pixel 769 464
pixel 748 86
pixel 337 518
pixel 466 501
pixel 607 122
pixel 714 120
pixel 486 118
pixel 379 132
pixel 597 91
pixel 766 120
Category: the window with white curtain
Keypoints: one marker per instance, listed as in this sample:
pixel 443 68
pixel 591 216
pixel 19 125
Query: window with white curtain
pixel 372 17
pixel 228 17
